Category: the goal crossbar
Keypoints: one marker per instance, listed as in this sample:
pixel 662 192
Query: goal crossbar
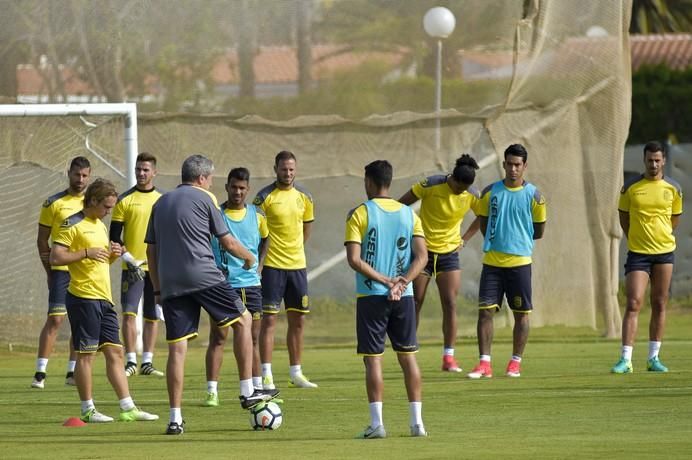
pixel 127 110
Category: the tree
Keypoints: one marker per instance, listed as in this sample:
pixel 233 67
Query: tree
pixel 395 26
pixel 12 51
pixel 245 22
pixel 102 51
pixel 183 45
pixel 304 38
pixel 46 45
pixel 661 16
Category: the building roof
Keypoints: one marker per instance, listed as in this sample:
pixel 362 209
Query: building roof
pixel 32 81
pixel 279 64
pixel 673 50
pixel 272 65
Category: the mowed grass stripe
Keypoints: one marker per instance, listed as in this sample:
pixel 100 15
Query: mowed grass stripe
pixel 565 405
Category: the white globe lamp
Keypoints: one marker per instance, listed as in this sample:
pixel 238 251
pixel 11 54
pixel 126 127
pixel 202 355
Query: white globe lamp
pixel 439 23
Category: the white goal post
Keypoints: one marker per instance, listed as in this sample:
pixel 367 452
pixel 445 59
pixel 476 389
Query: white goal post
pixel 127 110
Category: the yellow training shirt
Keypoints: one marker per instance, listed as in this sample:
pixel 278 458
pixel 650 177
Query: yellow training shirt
pixel 442 212
pixel 133 210
pixel 650 205
pixel 89 279
pixel 55 210
pixel 286 212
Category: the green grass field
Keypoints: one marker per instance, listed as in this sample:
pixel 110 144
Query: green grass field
pixel 565 405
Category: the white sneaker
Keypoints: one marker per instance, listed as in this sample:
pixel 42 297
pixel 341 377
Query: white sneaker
pixel 39 380
pixel 268 383
pixel 418 430
pixel 372 433
pixel 94 416
pixel 300 381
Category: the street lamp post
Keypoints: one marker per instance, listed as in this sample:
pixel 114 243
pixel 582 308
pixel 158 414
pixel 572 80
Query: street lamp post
pixel 439 23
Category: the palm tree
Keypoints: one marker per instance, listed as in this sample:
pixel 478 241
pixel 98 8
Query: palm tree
pixel 661 16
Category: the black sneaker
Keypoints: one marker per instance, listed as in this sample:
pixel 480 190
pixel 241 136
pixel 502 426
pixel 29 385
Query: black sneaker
pixel 149 369
pixel 248 402
pixel 175 428
pixel 130 369
pixel 69 379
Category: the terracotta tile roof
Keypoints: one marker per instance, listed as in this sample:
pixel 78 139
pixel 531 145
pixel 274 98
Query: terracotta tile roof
pixel 279 64
pixel 674 50
pixel 30 81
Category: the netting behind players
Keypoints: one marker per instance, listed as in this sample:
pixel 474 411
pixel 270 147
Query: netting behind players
pixel 564 96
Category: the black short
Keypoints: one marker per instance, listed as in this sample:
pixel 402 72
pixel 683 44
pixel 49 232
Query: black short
pixel 511 282
pixel 182 312
pixel 57 289
pixel 289 285
pixel 251 297
pixel 131 293
pixel 93 323
pixel 441 263
pixel 645 262
pixel 377 317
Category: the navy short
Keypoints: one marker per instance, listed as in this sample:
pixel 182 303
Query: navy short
pixel 437 263
pixel 376 317
pixel 182 312
pixel 645 262
pixel 289 285
pixel 511 282
pixel 57 289
pixel 252 299
pixel 131 293
pixel 93 322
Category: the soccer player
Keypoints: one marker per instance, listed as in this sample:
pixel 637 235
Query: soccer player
pixel 82 244
pixel 650 207
pixel 55 210
pixel 185 276
pixel 513 215
pixel 445 199
pixel 385 246
pixel 290 213
pixel 132 214
pixel 248 225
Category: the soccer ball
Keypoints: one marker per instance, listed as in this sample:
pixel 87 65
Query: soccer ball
pixel 266 416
